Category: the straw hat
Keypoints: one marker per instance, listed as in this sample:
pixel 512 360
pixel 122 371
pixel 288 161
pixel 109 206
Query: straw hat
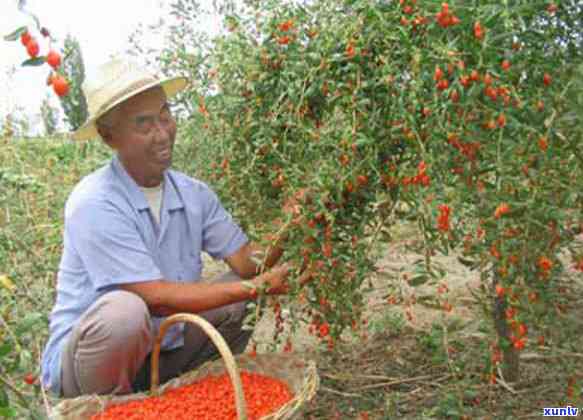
pixel 114 82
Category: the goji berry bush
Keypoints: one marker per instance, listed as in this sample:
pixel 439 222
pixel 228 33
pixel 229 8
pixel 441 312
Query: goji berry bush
pixel 454 111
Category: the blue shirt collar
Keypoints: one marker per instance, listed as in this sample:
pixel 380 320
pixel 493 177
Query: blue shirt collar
pixel 171 200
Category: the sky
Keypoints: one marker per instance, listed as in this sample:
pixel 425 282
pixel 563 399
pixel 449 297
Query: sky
pixel 101 27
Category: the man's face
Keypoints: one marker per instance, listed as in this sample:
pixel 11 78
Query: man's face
pixel 143 135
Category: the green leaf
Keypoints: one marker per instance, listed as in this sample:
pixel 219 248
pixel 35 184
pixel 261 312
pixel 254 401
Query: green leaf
pixel 16 34
pixel 38 61
pixel 467 262
pixel 470 394
pixel 7 412
pixel 3 399
pixel 5 349
pixel 419 280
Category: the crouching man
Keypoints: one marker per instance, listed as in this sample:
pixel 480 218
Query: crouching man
pixel 134 231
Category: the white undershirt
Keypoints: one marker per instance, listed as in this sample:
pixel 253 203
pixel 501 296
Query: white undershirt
pixel 154 197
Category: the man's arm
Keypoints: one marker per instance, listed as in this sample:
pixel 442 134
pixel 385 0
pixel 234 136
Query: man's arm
pixel 164 297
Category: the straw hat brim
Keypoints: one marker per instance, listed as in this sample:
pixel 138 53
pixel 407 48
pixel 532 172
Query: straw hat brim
pixel 170 86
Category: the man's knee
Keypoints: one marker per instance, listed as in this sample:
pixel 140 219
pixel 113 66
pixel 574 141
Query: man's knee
pixel 108 346
pixel 125 314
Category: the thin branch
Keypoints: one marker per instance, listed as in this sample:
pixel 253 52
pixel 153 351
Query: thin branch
pixel 401 381
pixel 42 389
pixel 533 356
pixel 502 382
pixel 344 394
pixel 571 354
pixel 350 377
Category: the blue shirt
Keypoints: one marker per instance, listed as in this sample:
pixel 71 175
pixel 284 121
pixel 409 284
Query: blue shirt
pixel 111 238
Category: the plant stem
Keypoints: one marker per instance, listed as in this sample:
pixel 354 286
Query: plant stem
pixel 510 355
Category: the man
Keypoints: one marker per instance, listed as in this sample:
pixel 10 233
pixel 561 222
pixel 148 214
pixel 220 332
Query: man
pixel 133 234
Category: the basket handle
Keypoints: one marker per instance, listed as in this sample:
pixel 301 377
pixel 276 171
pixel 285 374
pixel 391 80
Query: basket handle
pixel 217 340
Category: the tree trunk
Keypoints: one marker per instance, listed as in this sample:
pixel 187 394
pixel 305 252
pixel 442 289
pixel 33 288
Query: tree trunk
pixel 510 356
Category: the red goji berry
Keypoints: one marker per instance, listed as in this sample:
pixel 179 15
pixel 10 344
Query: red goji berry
pixel 210 398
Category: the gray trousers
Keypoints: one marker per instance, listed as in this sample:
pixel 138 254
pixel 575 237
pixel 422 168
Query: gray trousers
pixel 108 351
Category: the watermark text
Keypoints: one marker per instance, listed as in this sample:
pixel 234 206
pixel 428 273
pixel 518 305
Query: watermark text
pixel 561 411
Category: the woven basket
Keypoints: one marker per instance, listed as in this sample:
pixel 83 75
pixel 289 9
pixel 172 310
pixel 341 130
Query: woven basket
pixel 300 376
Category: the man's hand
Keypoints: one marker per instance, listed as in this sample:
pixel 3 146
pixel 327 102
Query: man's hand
pixel 276 279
